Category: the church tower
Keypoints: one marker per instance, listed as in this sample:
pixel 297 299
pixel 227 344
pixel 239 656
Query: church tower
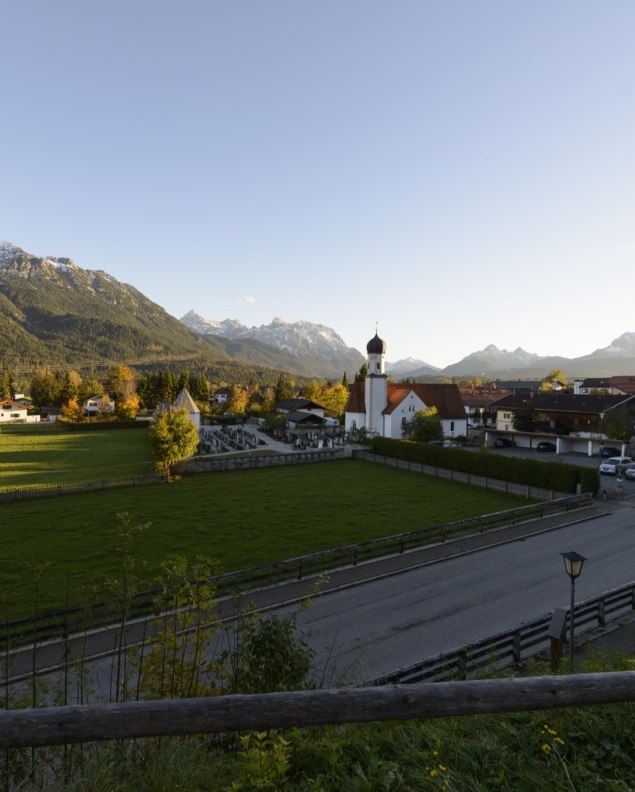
pixel 376 388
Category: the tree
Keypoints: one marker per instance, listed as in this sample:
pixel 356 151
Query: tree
pixel 334 400
pixel 6 385
pixel 70 387
pixel 201 390
pixel 524 420
pixel 314 391
pixel 345 380
pixel 184 381
pixel 45 389
pixel 72 411
pixel 167 387
pixel 283 390
pixel 617 424
pixel 360 376
pixel 426 425
pixel 122 383
pixel 555 375
pixel 127 408
pixel 238 400
pixel 173 438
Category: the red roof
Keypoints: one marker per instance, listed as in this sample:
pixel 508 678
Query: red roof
pixel 446 398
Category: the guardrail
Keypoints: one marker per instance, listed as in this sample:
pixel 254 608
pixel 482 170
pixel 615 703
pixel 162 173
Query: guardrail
pixel 56 624
pixel 512 646
pixel 472 479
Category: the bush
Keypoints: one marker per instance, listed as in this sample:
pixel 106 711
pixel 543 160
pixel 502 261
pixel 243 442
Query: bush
pixel 561 477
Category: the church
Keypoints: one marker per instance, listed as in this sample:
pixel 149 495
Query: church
pixel 386 408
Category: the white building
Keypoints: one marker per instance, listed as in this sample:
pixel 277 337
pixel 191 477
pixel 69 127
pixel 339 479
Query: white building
pixel 386 408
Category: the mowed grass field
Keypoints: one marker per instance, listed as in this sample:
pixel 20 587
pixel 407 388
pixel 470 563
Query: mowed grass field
pixel 241 519
pixel 32 455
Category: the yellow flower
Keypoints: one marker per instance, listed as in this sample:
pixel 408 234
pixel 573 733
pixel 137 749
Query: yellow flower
pixel 442 768
pixel 433 773
pixel 546 748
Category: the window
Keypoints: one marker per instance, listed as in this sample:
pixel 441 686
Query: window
pixel 451 426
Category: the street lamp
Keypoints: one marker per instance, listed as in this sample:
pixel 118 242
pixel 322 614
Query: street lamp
pixel 573 563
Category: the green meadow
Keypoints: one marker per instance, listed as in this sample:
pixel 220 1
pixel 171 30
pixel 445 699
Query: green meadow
pixel 238 518
pixel 32 455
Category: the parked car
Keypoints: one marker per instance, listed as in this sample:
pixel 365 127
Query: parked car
pixel 504 442
pixel 609 451
pixel 546 445
pixel 629 473
pixel 610 467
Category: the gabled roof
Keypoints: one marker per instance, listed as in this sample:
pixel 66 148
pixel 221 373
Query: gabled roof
pixel 9 404
pixel 623 383
pixel 446 398
pixel 185 402
pixel 288 405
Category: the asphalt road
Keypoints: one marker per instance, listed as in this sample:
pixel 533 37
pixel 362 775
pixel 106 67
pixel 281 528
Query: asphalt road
pixel 363 632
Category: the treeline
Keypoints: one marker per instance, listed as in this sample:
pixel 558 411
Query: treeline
pixel 133 391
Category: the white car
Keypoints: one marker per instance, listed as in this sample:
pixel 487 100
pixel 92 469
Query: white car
pixel 629 473
pixel 610 466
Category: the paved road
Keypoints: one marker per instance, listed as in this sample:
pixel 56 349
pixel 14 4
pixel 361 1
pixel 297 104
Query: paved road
pixel 436 599
pixel 376 627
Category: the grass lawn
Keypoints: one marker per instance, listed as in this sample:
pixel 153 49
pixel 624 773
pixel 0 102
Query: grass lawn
pixel 240 518
pixel 32 455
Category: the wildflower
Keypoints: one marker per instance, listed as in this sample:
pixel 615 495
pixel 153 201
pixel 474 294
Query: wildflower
pixel 546 748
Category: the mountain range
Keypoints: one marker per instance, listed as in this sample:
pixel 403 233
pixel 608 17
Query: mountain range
pixel 312 350
pixel 53 312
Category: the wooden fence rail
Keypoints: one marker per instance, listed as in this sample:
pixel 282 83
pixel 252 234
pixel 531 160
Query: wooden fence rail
pixel 64 725
pixel 48 626
pixel 515 645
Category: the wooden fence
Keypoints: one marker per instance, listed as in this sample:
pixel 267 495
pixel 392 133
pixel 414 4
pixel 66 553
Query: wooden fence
pixel 56 624
pixel 515 645
pixel 65 725
pixel 48 490
pixel 472 479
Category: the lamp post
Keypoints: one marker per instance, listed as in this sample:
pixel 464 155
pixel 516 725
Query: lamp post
pixel 573 563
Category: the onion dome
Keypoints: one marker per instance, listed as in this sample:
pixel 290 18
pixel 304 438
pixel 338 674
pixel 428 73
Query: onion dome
pixel 376 346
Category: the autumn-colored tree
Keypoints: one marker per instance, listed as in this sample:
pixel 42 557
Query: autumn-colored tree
pixel 334 400
pixel 238 400
pixel 122 383
pixel 173 438
pixel 127 408
pixel 72 411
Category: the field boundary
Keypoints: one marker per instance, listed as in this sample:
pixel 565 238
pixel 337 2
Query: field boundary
pixel 471 479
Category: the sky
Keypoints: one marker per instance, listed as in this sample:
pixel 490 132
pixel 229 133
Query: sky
pixel 456 173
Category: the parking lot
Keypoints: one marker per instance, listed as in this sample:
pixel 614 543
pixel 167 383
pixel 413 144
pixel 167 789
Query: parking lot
pixel 608 483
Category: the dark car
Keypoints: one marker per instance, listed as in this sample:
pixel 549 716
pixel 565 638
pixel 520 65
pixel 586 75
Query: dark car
pixel 503 442
pixel 545 445
pixel 609 451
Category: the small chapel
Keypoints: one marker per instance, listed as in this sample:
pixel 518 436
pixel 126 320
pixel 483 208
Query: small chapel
pixel 386 408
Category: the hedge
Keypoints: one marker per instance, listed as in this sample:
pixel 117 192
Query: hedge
pixel 561 476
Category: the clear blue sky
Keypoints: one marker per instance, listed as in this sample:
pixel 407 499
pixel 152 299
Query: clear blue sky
pixel 461 172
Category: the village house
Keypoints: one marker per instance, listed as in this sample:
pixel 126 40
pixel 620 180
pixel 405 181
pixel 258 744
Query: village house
pixel 576 422
pixel 96 404
pixel 12 412
pixel 386 408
